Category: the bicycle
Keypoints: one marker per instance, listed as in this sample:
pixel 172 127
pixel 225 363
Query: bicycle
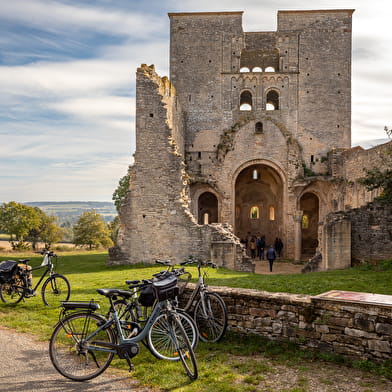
pixel 134 311
pixel 16 282
pixel 208 308
pixel 84 342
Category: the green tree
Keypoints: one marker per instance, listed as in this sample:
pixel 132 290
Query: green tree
pixel 121 191
pixel 47 232
pixel 91 230
pixel 381 179
pixel 114 227
pixel 17 220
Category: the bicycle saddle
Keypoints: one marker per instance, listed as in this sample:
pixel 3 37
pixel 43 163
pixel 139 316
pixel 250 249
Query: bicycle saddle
pixel 115 292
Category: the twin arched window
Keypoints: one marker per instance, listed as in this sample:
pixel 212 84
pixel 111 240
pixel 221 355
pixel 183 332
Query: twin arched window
pixel 272 102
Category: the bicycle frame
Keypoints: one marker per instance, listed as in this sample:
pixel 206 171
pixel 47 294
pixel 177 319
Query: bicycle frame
pixel 115 320
pixel 48 267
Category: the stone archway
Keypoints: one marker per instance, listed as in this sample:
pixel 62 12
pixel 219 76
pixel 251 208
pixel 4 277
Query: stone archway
pixel 309 204
pixel 207 208
pixel 258 203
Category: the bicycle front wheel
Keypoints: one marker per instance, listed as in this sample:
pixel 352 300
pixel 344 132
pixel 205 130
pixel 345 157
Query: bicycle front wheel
pixel 72 355
pixel 55 290
pixel 210 317
pixel 159 339
pixel 183 346
pixel 12 293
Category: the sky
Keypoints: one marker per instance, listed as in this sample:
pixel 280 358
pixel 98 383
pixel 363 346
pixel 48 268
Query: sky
pixel 67 84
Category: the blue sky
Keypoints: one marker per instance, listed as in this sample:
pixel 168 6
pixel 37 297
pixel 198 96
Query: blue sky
pixel 67 84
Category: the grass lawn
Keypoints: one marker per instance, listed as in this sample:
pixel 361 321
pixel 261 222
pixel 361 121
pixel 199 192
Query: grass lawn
pixel 88 271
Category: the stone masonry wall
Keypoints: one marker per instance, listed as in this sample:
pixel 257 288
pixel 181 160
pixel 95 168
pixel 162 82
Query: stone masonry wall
pixel 371 232
pixel 354 330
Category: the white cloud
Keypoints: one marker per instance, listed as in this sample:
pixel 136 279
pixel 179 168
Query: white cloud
pixel 56 16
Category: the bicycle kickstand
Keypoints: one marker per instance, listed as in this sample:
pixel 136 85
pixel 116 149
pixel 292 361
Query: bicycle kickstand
pixel 130 364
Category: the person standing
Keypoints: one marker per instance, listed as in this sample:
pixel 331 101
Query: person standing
pixel 271 256
pixel 278 247
pixel 252 247
pixel 260 243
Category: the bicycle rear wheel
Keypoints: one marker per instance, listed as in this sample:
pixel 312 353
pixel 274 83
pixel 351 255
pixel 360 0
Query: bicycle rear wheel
pixel 160 342
pixel 12 293
pixel 55 290
pixel 71 355
pixel 183 346
pixel 210 317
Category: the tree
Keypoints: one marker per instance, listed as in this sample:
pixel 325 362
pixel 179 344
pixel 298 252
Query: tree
pixel 114 227
pixel 121 191
pixel 381 179
pixel 91 230
pixel 17 220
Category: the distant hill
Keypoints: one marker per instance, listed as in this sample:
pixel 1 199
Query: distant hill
pixel 70 211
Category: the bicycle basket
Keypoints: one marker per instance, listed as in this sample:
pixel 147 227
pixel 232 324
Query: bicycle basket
pixel 146 297
pixel 166 288
pixel 7 270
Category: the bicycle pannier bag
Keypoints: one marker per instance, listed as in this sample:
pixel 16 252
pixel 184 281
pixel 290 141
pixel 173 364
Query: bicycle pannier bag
pixel 166 288
pixel 7 270
pixel 146 297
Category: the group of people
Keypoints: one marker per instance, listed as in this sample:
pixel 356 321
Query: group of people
pixel 257 247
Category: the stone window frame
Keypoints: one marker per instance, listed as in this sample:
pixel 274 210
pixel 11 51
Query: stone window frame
pixel 269 101
pixel 246 100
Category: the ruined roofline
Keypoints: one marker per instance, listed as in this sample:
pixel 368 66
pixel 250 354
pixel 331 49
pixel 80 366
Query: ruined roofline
pixel 170 14
pixel 350 11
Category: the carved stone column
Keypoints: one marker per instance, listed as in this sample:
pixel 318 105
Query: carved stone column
pixel 298 235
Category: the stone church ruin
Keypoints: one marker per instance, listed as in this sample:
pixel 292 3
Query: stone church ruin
pixel 251 135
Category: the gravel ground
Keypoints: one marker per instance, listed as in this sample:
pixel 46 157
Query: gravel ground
pixel 25 366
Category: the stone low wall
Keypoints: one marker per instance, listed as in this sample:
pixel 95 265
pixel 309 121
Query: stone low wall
pixel 354 330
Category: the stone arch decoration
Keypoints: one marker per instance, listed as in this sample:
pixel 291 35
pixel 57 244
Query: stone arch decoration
pixel 259 193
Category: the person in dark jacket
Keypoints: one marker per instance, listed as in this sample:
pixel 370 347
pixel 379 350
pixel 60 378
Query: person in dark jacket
pixel 271 256
pixel 278 247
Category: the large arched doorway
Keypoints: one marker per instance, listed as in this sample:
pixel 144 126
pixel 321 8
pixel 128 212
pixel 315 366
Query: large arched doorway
pixel 309 204
pixel 258 203
pixel 207 208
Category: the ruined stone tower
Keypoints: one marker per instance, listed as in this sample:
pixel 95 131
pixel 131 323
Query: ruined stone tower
pixel 246 139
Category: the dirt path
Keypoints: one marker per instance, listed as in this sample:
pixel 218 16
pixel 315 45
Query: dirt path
pixel 279 267
pixel 25 366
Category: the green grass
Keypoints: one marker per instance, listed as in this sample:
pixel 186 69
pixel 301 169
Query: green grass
pixel 235 364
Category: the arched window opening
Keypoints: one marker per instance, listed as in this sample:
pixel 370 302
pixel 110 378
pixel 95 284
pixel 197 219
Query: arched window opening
pixel 257 69
pixel 246 100
pixel 272 100
pixel 244 69
pixel 255 174
pixel 305 221
pixel 269 69
pixel 259 127
pixel 271 213
pixel 208 208
pixel 254 213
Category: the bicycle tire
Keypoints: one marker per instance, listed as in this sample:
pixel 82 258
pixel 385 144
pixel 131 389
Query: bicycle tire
pixel 159 341
pixel 13 292
pixel 212 322
pixel 56 289
pixel 69 357
pixel 184 348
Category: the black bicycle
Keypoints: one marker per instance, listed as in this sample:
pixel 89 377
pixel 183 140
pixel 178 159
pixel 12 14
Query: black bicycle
pixel 84 342
pixel 16 281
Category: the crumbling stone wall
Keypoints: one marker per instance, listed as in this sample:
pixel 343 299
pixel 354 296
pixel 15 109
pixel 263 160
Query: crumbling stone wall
pixel 156 222
pixel 354 330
